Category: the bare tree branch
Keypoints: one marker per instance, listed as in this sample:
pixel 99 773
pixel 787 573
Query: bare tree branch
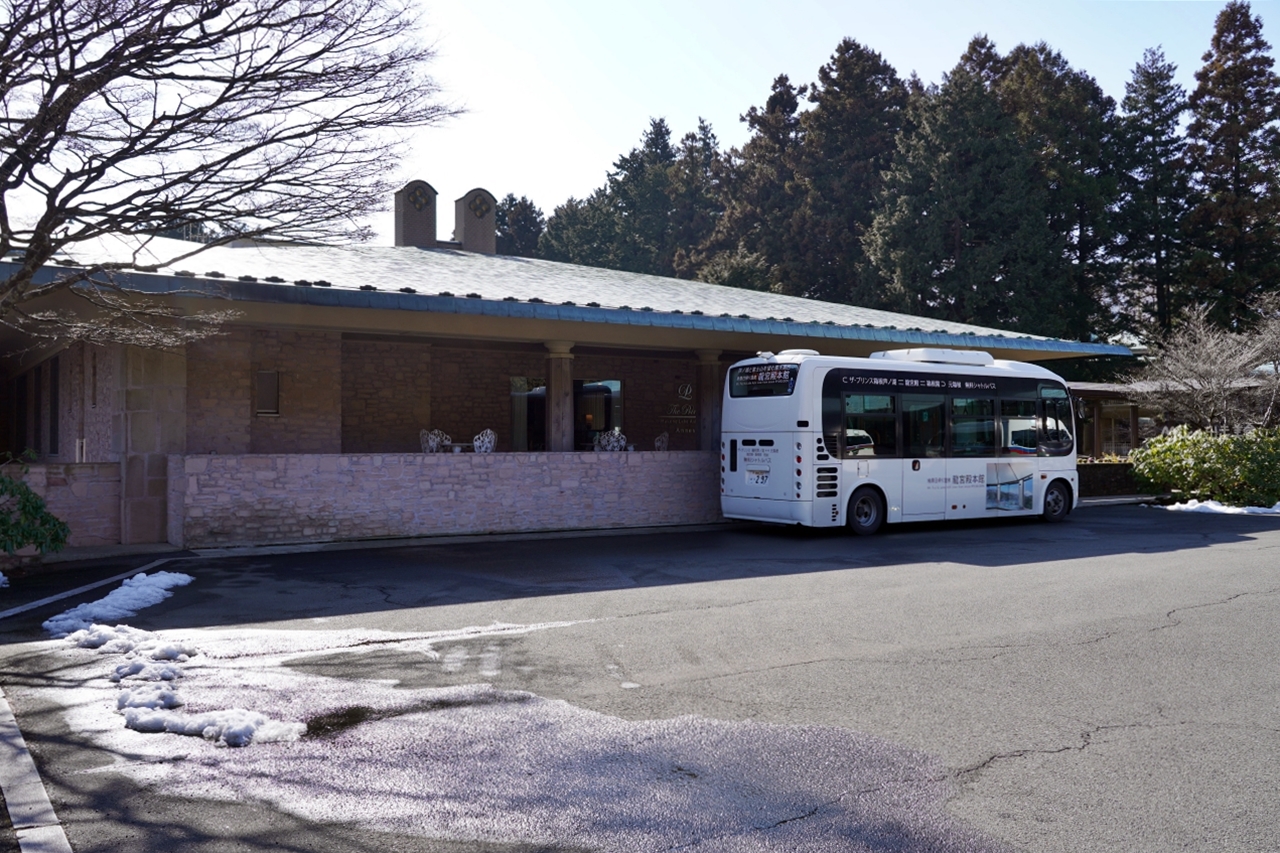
pixel 249 118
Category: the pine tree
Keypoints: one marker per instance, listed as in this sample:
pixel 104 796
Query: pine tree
pixel 1154 189
pixel 963 234
pixel 520 223
pixel 1232 149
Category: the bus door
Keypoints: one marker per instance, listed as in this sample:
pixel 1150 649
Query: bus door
pixel 924 468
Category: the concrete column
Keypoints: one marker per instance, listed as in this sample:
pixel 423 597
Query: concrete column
pixel 710 398
pixel 1134 437
pixel 153 424
pixel 559 396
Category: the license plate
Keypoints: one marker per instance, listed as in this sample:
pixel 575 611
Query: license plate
pixel 757 476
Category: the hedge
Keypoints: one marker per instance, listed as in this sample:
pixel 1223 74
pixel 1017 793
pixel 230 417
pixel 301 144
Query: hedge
pixel 1239 470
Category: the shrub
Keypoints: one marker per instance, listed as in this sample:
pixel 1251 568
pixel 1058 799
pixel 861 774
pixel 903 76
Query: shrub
pixel 24 520
pixel 1240 470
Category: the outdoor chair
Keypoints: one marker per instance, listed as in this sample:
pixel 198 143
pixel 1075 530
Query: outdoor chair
pixel 435 441
pixel 611 441
pixel 485 441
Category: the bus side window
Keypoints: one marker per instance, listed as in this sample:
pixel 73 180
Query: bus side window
pixel 1018 428
pixel 973 426
pixel 870 425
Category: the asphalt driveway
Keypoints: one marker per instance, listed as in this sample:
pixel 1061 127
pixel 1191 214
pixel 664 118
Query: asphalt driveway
pixel 1108 683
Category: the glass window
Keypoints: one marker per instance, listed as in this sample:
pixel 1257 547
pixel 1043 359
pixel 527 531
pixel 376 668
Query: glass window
pixel 1056 431
pixel 923 431
pixel 268 392
pixel 528 414
pixel 597 408
pixel 1018 427
pixel 763 380
pixel 973 426
pixel 870 425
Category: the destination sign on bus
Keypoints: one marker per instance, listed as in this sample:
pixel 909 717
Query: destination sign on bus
pixel 763 380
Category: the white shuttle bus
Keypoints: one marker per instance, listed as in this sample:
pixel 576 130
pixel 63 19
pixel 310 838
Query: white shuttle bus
pixel 905 435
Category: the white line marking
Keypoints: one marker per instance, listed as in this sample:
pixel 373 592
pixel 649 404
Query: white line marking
pixel 32 814
pixel 42 602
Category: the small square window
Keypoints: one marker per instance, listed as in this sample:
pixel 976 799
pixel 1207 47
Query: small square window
pixel 268 392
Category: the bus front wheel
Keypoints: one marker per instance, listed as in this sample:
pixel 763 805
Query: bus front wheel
pixel 866 511
pixel 1057 501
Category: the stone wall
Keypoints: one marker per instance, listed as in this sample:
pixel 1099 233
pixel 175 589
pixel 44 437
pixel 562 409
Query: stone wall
pixel 242 500
pixel 86 496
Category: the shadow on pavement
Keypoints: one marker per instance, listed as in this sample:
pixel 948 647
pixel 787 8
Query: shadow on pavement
pixel 241 590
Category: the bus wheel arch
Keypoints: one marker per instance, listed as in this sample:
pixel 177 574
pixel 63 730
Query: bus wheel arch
pixel 1057 501
pixel 866 512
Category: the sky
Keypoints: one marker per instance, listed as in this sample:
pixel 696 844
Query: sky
pixel 556 90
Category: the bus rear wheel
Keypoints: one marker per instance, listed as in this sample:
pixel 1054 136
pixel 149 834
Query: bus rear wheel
pixel 1057 501
pixel 866 511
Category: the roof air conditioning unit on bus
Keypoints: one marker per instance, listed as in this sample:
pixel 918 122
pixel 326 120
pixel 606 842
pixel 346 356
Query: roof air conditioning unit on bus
pixel 976 358
pixel 799 352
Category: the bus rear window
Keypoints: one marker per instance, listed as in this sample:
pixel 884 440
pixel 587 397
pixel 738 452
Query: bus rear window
pixel 763 380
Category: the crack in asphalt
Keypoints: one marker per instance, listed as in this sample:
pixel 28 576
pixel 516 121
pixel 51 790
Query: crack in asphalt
pixel 794 818
pixel 964 774
pixel 1173 623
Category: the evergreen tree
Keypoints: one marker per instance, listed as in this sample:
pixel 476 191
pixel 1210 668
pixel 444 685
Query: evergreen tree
pixel 1232 149
pixel 753 244
pixel 963 234
pixel 659 199
pixel 1154 188
pixel 847 143
pixel 520 223
pixel 582 232
pixel 1069 125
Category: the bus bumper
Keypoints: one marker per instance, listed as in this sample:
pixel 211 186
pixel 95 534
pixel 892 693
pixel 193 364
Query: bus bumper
pixel 762 509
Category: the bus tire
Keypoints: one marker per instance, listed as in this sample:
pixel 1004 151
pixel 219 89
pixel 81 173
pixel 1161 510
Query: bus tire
pixel 866 511
pixel 1057 501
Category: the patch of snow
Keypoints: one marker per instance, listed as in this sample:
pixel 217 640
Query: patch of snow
pixel 150 696
pixel 1223 509
pixel 140 591
pixel 4 581
pixel 142 671
pixel 234 727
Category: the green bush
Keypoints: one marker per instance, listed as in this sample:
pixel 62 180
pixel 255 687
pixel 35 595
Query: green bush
pixel 1240 470
pixel 24 520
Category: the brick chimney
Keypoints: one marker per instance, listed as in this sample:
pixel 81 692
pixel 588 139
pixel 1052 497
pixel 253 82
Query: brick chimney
pixel 416 215
pixel 474 222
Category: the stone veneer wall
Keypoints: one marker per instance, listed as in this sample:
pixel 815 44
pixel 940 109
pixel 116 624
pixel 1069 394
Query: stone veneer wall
pixel 242 500
pixel 86 496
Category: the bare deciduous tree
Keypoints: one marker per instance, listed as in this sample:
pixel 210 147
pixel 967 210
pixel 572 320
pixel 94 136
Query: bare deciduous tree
pixel 1209 377
pixel 274 119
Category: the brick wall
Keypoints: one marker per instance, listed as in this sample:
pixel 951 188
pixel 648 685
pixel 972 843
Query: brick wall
pixel 240 500
pixel 219 393
pixel 471 390
pixel 310 367
pixel 86 496
pixel 386 396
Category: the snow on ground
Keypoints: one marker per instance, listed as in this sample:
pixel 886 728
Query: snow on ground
pixel 477 763
pixel 138 592
pixel 4 581
pixel 1216 507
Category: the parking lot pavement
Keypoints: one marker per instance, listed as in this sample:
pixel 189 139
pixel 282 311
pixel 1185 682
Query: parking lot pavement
pixel 1103 684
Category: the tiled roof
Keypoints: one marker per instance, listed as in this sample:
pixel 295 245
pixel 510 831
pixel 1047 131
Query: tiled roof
pixel 452 281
